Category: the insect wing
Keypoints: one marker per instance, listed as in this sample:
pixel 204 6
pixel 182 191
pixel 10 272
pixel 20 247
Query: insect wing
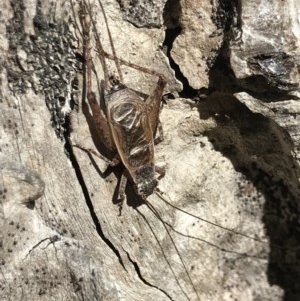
pixel 131 129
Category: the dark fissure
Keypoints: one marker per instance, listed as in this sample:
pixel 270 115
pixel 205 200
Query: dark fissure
pixel 75 164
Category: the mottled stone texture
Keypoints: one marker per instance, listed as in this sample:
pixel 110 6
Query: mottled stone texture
pixel 225 224
pixel 266 58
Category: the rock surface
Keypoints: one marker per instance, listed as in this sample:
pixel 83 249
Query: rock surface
pixel 225 224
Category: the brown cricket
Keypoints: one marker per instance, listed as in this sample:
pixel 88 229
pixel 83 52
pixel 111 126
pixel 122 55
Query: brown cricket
pixel 128 124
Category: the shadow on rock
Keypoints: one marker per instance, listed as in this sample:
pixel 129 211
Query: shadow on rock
pixel 262 151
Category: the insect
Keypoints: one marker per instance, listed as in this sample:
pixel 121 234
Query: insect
pixel 117 123
pixel 127 125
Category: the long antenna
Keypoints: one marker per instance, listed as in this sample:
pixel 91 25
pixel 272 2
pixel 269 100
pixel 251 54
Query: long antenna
pixel 115 58
pixel 99 46
pixel 158 193
pixel 163 253
pixel 154 211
